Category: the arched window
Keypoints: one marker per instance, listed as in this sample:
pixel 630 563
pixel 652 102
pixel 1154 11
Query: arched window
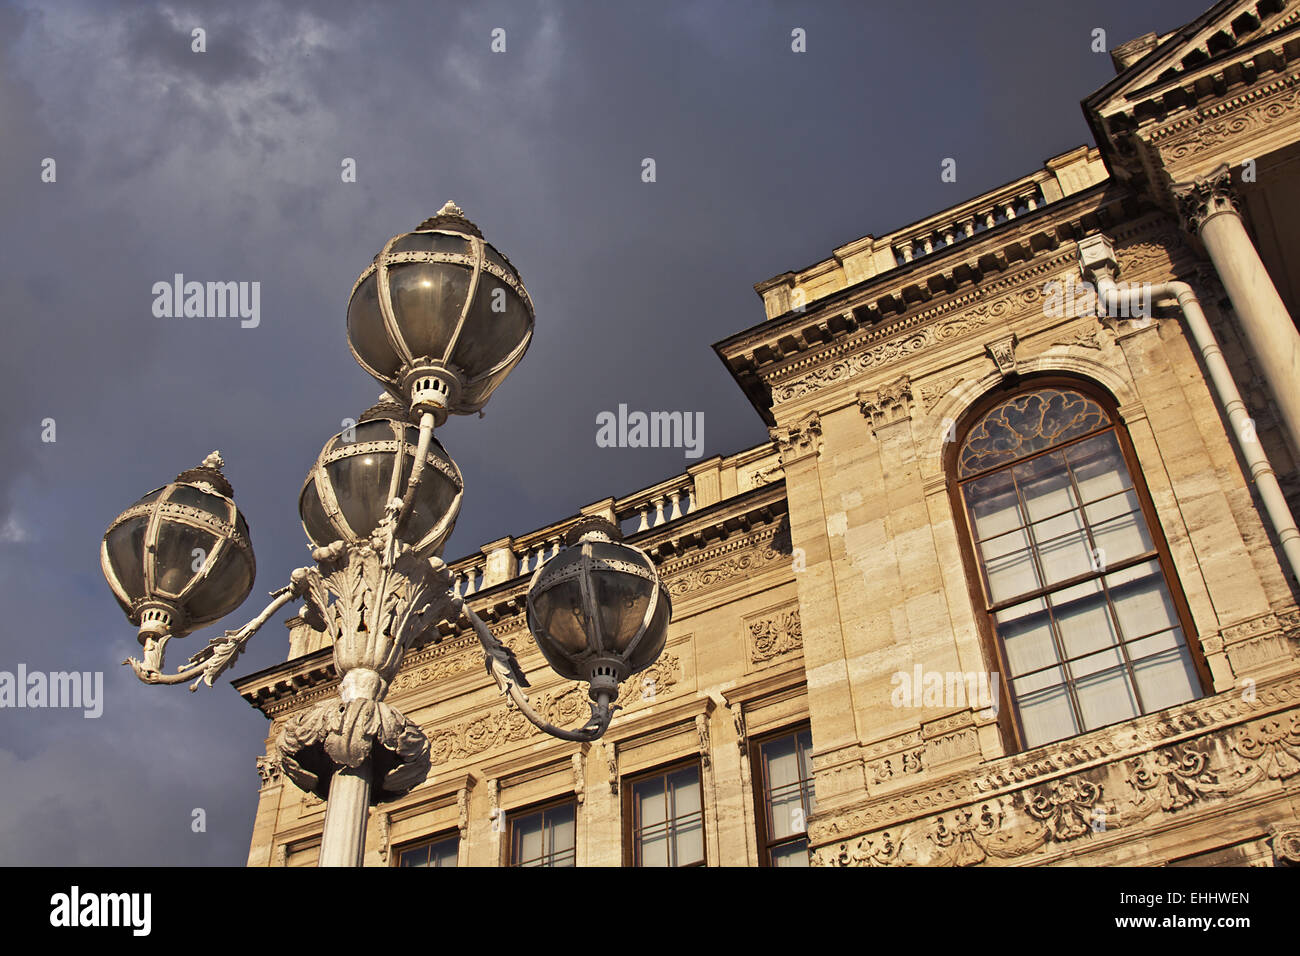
pixel 1082 609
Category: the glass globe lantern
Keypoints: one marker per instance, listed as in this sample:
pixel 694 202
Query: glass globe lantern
pixel 440 318
pixel 344 496
pixel 598 610
pixel 180 557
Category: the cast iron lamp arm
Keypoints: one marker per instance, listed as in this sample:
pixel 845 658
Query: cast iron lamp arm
pixel 220 653
pixel 505 670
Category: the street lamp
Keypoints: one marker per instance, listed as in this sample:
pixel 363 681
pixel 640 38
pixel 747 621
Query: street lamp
pixel 440 318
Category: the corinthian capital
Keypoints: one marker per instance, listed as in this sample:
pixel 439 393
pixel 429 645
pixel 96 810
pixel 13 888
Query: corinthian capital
pixel 1206 196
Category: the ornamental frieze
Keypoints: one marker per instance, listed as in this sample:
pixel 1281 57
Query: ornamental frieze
pixel 1212 128
pixel 905 346
pixel 1193 718
pixel 1079 808
pixel 760 552
pixel 507 725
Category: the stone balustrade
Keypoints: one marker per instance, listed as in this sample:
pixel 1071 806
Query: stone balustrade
pixel 1020 201
pixel 704 484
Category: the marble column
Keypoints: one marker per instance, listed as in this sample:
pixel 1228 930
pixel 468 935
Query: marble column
pixel 1210 208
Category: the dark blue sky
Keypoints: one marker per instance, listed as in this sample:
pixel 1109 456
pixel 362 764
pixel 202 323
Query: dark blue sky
pixel 225 165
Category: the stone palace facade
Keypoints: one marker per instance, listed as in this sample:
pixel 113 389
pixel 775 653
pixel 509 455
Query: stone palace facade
pixel 1015 581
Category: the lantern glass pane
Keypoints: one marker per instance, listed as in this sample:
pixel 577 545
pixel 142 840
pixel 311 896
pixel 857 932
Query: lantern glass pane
pixel 126 553
pixel 366 329
pixel 314 520
pixel 652 643
pixel 561 616
pixel 431 242
pixel 427 301
pixel 622 600
pixel 497 259
pixel 496 324
pixel 196 498
pixel 181 552
pixel 378 429
pixel 222 590
pixel 360 485
pixel 432 501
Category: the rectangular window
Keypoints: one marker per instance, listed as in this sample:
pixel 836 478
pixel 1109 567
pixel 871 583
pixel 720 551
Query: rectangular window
pixel 441 851
pixel 545 836
pixel 784 785
pixel 664 814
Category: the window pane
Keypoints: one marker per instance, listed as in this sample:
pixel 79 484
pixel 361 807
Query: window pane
pixel 1118 527
pixel 1026 631
pixel 1083 619
pixel 528 840
pixel 1098 466
pixel 1045 714
pixel 791 854
pixel 1009 566
pixel 785 793
pixel 1142 602
pixel 1103 690
pixel 438 853
pixel 1028 423
pixel 563 836
pixel 651 802
pixel 994 507
pixel 1163 669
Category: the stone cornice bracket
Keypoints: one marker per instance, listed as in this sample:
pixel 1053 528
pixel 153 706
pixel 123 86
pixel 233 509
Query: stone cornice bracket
pixel 611 764
pixel 798 441
pixel 1003 353
pixel 385 842
pixel 494 806
pixel 1205 196
pixel 579 761
pixel 462 812
pixel 702 730
pixel 887 405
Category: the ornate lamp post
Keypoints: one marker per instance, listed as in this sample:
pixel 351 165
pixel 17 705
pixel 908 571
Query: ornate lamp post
pixel 440 318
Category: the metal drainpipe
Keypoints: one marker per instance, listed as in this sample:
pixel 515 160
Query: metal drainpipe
pixel 1097 262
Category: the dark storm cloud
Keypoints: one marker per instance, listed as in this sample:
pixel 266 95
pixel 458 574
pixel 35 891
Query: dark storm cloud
pixel 225 165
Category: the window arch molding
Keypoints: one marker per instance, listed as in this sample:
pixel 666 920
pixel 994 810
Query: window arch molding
pixel 1042 616
pixel 957 404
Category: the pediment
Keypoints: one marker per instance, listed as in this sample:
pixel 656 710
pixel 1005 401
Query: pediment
pixel 1228 31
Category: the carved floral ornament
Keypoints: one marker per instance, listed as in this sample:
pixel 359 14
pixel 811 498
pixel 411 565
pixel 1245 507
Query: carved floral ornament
pixel 774 635
pixel 1080 808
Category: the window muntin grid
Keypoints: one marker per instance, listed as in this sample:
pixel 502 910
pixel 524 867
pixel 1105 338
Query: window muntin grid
pixel 545 837
pixel 667 822
pixel 1071 575
pixel 786 788
pixel 438 852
